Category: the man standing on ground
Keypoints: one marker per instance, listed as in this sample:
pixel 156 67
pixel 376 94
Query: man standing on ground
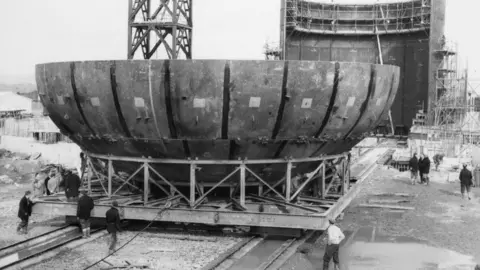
pixel 84 209
pixel 424 168
pixel 413 163
pixel 335 236
pixel 24 212
pixel 465 181
pixel 72 185
pixel 113 225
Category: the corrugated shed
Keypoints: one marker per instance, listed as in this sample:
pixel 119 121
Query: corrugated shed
pixel 10 101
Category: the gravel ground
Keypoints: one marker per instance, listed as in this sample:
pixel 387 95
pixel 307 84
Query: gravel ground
pixel 151 249
pixel 10 194
pixel 440 217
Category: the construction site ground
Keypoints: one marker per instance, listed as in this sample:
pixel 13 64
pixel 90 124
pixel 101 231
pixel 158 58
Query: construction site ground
pixel 442 230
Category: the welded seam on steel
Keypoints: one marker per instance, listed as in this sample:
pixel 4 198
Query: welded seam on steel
pixel 333 97
pixel 168 100
pixel 371 89
pixel 226 101
pixel 280 148
pixel 77 98
pixel 113 82
pixel 151 99
pixel 385 108
pixel 283 101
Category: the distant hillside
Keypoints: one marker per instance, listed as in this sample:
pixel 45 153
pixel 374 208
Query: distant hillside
pixel 18 88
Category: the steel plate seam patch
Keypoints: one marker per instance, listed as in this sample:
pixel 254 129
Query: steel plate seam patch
pixel 198 103
pixel 351 101
pixel 139 102
pixel 95 101
pixel 254 102
pixel 306 103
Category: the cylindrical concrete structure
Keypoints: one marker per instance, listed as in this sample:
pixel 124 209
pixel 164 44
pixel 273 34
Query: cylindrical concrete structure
pixel 402 33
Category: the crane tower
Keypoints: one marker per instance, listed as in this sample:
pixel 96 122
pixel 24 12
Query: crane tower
pixel 160 27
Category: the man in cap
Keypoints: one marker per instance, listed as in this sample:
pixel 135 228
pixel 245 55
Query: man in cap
pixel 465 181
pixel 24 212
pixel 84 209
pixel 335 236
pixel 113 225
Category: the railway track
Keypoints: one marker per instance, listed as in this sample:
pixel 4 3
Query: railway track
pixel 21 251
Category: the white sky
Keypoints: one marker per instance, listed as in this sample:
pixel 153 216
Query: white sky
pixel 38 31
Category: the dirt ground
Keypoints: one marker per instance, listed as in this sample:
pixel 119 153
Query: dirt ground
pixel 441 217
pixel 20 173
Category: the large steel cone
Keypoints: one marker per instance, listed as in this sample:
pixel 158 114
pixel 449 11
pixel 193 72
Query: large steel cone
pixel 216 109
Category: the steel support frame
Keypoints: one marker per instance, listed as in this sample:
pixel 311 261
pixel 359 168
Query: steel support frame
pixel 301 216
pixel 196 195
pixel 174 34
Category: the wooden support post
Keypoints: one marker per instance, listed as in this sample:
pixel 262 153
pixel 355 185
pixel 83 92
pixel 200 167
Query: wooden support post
pixel 110 174
pixel 192 184
pixel 242 185
pixel 343 177
pixel 288 177
pixel 322 187
pixel 146 183
pixel 260 190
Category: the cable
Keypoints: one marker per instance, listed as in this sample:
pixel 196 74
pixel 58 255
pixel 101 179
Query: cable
pixel 167 206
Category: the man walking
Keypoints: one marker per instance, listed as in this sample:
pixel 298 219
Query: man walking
pixel 72 185
pixel 424 168
pixel 465 181
pixel 113 225
pixel 84 209
pixel 24 212
pixel 413 163
pixel 335 236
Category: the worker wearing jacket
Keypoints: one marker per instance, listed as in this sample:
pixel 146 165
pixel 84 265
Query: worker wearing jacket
pixel 413 164
pixel 84 210
pixel 24 212
pixel 424 168
pixel 465 181
pixel 113 224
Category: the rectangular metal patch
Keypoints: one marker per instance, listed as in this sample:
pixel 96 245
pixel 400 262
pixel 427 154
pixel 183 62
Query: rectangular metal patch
pixel 351 101
pixel 198 103
pixel 60 100
pixel 254 102
pixel 139 102
pixel 379 102
pixel 95 101
pixel 307 103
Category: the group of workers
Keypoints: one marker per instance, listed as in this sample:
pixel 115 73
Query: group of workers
pixel 422 166
pixel 85 204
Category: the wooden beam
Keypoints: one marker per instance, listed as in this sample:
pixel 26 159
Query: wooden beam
pixel 387 206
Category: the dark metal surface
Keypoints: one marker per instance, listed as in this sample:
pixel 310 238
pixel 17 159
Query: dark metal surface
pixel 216 109
pixel 306 36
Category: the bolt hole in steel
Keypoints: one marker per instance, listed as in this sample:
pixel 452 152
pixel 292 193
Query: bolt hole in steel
pixel 319 106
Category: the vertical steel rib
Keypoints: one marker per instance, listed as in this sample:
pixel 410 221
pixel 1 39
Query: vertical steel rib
pixel 77 98
pixel 150 90
pixel 283 101
pixel 363 108
pixel 226 101
pixel 331 104
pixel 121 118
pixel 168 99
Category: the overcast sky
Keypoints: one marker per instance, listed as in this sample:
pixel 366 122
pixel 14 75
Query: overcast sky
pixel 37 31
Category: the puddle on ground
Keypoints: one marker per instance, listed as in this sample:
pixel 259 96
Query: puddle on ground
pixel 366 250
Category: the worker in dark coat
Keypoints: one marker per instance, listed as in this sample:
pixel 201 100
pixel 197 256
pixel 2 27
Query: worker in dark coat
pixel 24 212
pixel 84 210
pixel 72 185
pixel 113 225
pixel 465 181
pixel 424 168
pixel 413 164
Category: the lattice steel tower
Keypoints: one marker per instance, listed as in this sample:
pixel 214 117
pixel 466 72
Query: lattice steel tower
pixel 160 26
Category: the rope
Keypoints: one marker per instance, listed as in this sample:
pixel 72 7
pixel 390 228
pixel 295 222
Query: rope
pixel 159 214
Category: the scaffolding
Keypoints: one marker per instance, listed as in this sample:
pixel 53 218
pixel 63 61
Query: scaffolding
pixel 356 19
pixel 455 116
